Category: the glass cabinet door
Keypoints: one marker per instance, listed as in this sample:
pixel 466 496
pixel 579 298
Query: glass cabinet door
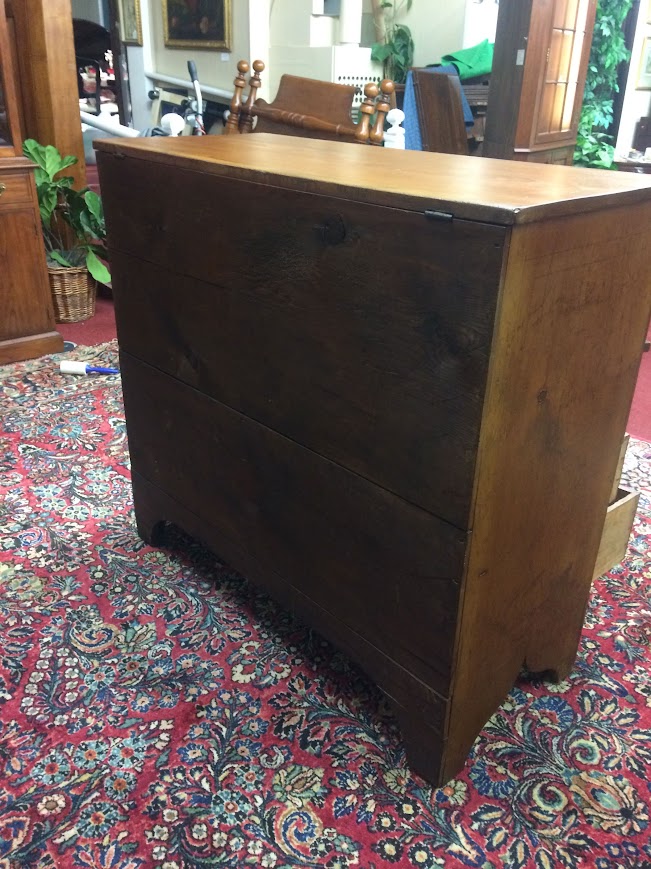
pixel 9 130
pixel 560 82
pixel 5 131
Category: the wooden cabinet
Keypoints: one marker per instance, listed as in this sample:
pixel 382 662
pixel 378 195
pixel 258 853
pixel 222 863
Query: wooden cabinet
pixel 389 387
pixel 26 316
pixel 539 68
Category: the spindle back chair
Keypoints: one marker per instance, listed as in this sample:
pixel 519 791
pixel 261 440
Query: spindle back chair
pixel 309 108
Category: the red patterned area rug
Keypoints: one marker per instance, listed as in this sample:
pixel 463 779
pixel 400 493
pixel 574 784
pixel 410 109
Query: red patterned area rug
pixel 157 711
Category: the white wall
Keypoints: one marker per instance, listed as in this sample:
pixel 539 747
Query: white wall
pixel 437 28
pixel 290 22
pixel 480 22
pixel 636 103
pixel 301 43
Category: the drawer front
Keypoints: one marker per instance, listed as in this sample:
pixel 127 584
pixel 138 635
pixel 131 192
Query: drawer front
pixel 385 568
pixel 361 332
pixel 15 190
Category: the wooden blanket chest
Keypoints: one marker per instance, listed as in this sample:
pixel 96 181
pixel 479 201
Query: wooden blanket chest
pixel 389 387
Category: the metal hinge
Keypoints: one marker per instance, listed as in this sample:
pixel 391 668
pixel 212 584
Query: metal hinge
pixel 439 215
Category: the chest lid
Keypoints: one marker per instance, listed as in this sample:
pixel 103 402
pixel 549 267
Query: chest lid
pixel 473 188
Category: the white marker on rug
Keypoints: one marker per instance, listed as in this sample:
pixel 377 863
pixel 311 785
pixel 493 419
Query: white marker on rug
pixel 71 367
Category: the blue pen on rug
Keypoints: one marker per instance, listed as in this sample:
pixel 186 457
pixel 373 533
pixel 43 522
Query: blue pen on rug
pixel 71 367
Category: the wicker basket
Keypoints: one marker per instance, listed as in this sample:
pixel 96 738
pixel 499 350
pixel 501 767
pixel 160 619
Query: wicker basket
pixel 73 293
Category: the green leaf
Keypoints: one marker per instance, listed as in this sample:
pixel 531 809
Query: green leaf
pixel 607 53
pixel 35 152
pixel 380 52
pixel 68 161
pixel 40 176
pixel 57 256
pixel 47 202
pixel 86 224
pixel 99 249
pixel 94 203
pixel 52 161
pixel 97 268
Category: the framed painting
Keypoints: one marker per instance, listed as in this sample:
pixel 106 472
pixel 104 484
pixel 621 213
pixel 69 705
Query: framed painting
pixel 130 23
pixel 644 71
pixel 197 23
pixel 648 12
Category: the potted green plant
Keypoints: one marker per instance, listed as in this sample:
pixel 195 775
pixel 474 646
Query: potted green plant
pixel 394 48
pixel 74 232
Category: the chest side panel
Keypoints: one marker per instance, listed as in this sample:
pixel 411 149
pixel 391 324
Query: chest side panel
pixel 361 332
pixel 573 317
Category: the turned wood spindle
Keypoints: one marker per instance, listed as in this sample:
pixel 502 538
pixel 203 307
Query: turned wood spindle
pixel 246 115
pixel 232 123
pixel 387 88
pixel 366 111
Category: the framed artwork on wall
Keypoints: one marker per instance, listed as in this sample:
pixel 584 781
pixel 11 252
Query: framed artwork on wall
pixel 130 23
pixel 644 71
pixel 648 12
pixel 197 23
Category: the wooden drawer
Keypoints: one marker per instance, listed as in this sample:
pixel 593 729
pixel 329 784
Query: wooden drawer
pixel 15 190
pixel 385 568
pixel 617 531
pixel 398 404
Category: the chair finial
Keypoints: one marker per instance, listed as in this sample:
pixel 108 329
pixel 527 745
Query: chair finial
pixel 246 115
pixel 366 110
pixel 383 105
pixel 232 124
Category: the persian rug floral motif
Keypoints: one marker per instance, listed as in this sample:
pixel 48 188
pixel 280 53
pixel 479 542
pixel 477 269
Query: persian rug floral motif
pixel 157 711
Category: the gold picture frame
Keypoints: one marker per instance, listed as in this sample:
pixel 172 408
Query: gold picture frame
pixel 644 70
pixel 648 12
pixel 130 22
pixel 198 24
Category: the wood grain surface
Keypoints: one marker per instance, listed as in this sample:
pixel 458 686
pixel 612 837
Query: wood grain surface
pixel 573 316
pixel 617 531
pixel 48 77
pixel 295 312
pixel 339 539
pixel 507 76
pixel 27 328
pixel 420 709
pixel 317 337
pixel 16 192
pixel 499 191
pixel 440 112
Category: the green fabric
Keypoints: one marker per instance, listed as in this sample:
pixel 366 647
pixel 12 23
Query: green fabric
pixel 476 60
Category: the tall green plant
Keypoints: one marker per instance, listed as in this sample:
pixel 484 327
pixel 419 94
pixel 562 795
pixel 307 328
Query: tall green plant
pixel 594 145
pixel 60 204
pixel 396 50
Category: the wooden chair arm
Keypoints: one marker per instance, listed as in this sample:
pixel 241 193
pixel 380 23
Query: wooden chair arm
pixel 304 122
